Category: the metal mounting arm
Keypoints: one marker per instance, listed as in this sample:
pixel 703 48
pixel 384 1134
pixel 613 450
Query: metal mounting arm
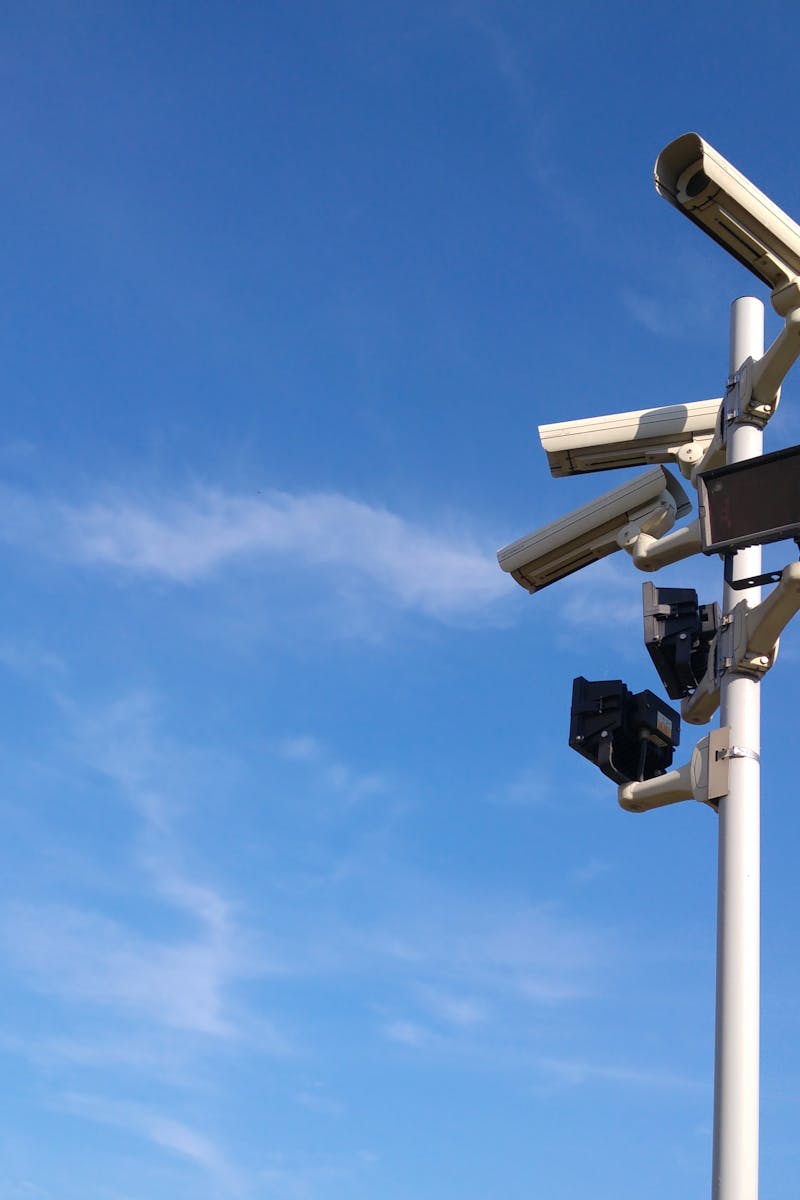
pixel 650 553
pixel 767 621
pixel 754 390
pixel 768 373
pixel 704 778
pixel 746 644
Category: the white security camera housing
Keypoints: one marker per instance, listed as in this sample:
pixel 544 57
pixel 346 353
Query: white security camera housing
pixel 650 504
pixel 679 432
pixel 704 186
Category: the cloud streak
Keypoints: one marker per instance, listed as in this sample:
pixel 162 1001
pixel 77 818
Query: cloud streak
pixel 460 951
pixel 439 572
pixel 161 1130
pixel 332 775
pixel 85 957
pixel 580 1072
pixel 182 980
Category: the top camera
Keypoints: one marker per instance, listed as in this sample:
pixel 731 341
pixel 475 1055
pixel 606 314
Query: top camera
pixel 703 185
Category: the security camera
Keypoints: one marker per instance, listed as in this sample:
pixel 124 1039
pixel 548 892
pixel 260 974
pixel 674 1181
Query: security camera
pixel 679 432
pixel 650 504
pixel 704 186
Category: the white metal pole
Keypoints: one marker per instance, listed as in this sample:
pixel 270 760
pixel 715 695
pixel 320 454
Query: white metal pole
pixel 736 1062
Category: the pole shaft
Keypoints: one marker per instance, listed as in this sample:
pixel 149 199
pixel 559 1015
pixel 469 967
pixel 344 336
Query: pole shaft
pixel 736 1060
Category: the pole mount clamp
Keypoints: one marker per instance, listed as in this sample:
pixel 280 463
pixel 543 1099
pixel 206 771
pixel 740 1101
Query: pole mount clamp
pixel 740 403
pixel 738 752
pixel 734 654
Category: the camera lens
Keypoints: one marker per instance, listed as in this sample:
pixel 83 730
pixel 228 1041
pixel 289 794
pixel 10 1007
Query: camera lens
pixel 697 184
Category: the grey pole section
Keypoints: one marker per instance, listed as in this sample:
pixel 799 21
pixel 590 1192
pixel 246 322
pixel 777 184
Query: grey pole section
pixel 736 1062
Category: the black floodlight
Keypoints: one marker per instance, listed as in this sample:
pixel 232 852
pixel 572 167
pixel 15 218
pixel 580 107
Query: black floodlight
pixel 628 736
pixel 751 502
pixel 678 633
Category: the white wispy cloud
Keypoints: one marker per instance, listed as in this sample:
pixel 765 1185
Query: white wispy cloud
pixel 162 1130
pixel 14 449
pixel 81 955
pixel 316 1099
pixel 472 991
pixel 581 1071
pixel 329 771
pixel 588 872
pixel 23 1189
pixel 364 557
pixel 122 741
pixel 31 661
pixel 176 958
pixel 451 946
pixel 653 312
pixel 532 787
pixel 147 1052
pixel 462 1011
pixel 680 303
pixel 287 1179
pixel 440 571
pixel 505 50
pixel 407 1033
pixel 608 597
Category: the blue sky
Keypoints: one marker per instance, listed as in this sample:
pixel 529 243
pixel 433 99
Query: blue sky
pixel 304 895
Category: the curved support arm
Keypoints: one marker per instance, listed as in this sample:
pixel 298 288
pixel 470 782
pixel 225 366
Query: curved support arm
pixel 670 788
pixel 704 778
pixel 699 708
pixel 747 644
pixel 715 456
pixel 767 621
pixel 769 372
pixel 649 553
pixel 757 390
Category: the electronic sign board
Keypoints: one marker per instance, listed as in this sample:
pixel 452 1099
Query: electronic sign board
pixel 751 502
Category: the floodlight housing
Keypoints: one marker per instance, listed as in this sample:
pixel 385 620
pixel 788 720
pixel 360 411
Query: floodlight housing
pixel 628 736
pixel 678 633
pixel 750 503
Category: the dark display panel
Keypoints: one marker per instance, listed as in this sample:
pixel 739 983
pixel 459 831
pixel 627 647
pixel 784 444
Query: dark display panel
pixel 752 502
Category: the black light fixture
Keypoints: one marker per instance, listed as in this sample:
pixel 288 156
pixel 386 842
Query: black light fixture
pixel 678 633
pixel 628 736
